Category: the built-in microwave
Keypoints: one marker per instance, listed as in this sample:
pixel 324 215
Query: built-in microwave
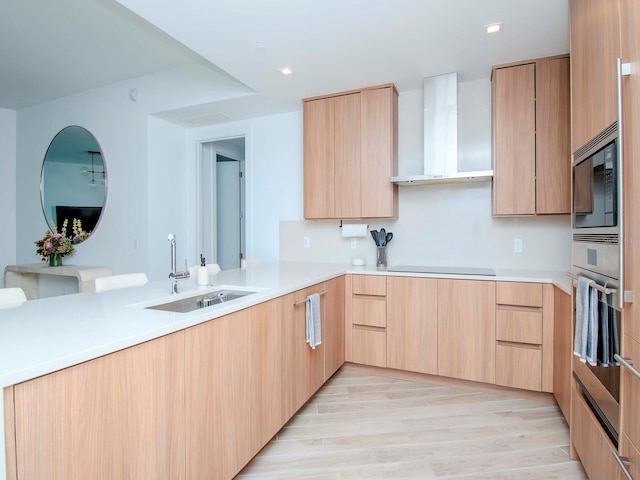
pixel 596 212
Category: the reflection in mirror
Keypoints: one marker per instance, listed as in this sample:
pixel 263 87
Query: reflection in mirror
pixel 73 181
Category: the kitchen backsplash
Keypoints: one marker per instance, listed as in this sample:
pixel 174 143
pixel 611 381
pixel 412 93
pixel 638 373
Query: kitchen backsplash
pixel 440 225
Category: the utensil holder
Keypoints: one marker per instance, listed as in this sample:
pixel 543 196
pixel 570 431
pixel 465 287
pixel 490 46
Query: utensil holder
pixel 381 259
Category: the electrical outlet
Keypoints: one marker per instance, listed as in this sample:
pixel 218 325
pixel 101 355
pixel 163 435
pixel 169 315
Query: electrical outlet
pixel 517 245
pixel 306 242
pixel 354 243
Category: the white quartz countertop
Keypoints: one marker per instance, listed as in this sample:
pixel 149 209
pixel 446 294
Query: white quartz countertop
pixel 45 335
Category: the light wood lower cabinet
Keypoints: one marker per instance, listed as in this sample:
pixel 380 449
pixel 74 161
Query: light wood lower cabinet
pixel 630 392
pixel 467 329
pixel 118 416
pixel 562 350
pixel 629 452
pixel 412 324
pixel 366 322
pixel 590 441
pixel 196 404
pixel 519 367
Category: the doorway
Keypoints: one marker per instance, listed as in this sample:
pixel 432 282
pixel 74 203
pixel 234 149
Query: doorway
pixel 222 202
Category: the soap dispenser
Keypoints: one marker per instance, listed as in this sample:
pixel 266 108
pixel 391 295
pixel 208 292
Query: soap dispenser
pixel 203 272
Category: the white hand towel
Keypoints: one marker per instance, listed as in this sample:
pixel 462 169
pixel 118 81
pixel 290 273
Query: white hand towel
pixel 582 319
pixel 313 320
pixel 593 328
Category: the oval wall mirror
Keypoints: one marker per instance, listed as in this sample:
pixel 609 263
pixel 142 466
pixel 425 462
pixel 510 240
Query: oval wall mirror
pixel 73 182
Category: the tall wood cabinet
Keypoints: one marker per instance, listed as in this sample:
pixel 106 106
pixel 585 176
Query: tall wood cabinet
pixel 531 137
pixel 350 151
pixel 601 32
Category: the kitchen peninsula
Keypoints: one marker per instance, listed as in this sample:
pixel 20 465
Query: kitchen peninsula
pixel 164 380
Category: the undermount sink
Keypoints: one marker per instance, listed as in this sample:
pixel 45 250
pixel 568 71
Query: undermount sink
pixel 204 300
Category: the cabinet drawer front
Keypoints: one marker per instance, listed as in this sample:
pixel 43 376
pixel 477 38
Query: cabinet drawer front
pixel 519 326
pixel 628 450
pixel 591 443
pixel 516 293
pixel 631 392
pixel 369 347
pixel 370 311
pixel 370 285
pixel 519 367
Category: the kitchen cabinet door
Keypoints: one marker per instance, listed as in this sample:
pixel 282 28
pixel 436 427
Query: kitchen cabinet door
pixel 553 136
pixel 319 162
pixel 333 326
pixel 630 391
pixel 347 176
pixel 379 159
pixel 412 324
pixel 595 46
pixel 217 396
pixel 118 416
pixel 308 369
pixel 514 184
pixel 630 35
pixel 562 350
pixel 467 329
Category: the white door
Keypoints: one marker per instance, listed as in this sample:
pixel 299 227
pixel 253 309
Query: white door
pixel 229 212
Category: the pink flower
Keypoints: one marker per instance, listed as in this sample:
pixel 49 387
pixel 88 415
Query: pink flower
pixel 48 246
pixel 57 236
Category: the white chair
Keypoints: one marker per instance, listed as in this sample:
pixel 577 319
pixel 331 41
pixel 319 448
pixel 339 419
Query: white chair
pixel 250 262
pixel 12 297
pixel 213 268
pixel 114 282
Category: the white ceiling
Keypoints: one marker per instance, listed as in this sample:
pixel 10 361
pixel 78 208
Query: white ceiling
pixel 52 49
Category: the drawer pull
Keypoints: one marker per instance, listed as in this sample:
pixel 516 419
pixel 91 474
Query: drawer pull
pixel 628 364
pixel 623 463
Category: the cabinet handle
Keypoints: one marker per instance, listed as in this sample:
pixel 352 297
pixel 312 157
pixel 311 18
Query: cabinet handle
pixel 620 181
pixel 298 302
pixel 628 364
pixel 623 463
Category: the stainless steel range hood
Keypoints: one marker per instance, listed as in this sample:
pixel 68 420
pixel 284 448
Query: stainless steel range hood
pixel 441 137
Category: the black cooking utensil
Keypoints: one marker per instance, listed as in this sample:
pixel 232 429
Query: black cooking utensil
pixel 374 235
pixel 388 237
pixel 382 237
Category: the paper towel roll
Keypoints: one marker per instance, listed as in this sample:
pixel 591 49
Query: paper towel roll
pixel 354 229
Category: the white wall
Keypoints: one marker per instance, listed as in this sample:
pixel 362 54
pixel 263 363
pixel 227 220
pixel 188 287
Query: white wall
pixel 146 164
pixel 8 190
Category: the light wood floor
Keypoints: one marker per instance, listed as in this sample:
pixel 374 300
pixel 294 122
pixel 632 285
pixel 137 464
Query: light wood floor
pixel 370 426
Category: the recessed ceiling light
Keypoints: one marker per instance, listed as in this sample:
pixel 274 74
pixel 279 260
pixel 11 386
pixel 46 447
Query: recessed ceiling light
pixel 493 28
pixel 261 48
pixel 286 71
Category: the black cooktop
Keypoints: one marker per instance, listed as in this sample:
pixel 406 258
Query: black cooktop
pixel 442 270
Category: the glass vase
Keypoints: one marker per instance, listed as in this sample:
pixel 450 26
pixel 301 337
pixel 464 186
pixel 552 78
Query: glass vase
pixel 55 261
pixel 381 259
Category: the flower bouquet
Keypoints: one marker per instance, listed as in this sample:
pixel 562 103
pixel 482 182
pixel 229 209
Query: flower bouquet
pixel 55 245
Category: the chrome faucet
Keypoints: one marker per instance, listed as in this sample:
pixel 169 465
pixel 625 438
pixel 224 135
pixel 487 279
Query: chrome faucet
pixel 175 275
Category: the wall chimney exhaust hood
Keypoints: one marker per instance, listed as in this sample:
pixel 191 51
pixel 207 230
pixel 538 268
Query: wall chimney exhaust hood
pixel 441 137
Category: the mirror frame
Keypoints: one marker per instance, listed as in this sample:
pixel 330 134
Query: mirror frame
pixel 104 169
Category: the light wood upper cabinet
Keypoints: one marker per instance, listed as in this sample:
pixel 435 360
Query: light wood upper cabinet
pixel 119 416
pixel 467 329
pixel 350 151
pixel 595 46
pixel 531 143
pixel 412 324
pixel 514 188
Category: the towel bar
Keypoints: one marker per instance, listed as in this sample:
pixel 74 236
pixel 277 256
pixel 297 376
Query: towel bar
pixel 304 300
pixel 596 285
pixel 628 364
